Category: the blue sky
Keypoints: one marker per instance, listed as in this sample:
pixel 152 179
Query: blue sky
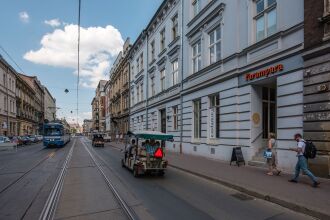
pixel 105 25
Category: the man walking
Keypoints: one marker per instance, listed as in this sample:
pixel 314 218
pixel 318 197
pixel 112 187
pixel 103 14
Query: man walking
pixel 302 161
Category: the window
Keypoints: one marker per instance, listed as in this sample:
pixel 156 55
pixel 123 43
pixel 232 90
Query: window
pixel 175 27
pixel 162 40
pixel 196 6
pixel 215 45
pixel 175 73
pixel 5 102
pixel 138 65
pixel 141 125
pixel 162 80
pixel 141 93
pixel 132 72
pixel 152 84
pixel 138 93
pixel 197 119
pixel 265 18
pixel 152 45
pixel 214 117
pixel 196 58
pixel 141 61
pixel 175 118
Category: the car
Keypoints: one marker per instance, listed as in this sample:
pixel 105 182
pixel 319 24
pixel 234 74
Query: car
pixel 26 140
pixel 33 138
pixel 147 158
pixel 39 137
pixel 98 140
pixel 107 138
pixel 6 143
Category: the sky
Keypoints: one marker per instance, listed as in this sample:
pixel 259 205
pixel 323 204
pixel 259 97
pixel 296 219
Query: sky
pixel 41 38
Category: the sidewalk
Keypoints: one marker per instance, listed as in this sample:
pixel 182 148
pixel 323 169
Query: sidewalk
pixel 300 197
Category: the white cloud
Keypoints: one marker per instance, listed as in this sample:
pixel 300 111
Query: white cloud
pixel 53 23
pixel 98 48
pixel 24 17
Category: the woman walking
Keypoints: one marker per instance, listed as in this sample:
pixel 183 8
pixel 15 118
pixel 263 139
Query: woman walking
pixel 272 160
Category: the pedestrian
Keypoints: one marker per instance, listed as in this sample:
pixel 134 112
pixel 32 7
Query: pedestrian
pixel 272 165
pixel 117 138
pixel 302 161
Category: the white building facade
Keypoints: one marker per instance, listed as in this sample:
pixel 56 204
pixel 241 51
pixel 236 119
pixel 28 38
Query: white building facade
pixel 49 105
pixel 241 76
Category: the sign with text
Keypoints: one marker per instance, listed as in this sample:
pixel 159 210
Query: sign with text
pixel 265 72
pixel 212 124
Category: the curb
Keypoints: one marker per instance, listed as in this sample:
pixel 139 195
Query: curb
pixel 276 200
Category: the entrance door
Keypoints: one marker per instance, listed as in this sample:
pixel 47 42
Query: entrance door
pixel 268 111
pixel 163 120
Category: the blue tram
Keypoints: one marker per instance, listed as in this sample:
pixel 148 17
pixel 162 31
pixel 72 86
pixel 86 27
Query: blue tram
pixel 55 135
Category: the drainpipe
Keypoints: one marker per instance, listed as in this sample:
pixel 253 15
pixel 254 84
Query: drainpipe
pixel 181 86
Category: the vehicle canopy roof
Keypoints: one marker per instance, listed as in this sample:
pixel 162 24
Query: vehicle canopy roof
pixel 152 135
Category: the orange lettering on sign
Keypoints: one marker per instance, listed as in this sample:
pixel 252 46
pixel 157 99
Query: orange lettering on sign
pixel 264 72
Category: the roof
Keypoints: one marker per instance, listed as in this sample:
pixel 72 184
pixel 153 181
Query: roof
pixel 157 135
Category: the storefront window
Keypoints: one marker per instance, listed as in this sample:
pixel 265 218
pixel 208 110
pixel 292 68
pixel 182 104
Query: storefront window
pixel 175 117
pixel 197 119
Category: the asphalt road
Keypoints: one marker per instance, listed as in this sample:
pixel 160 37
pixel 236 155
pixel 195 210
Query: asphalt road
pixel 28 176
pixel 179 195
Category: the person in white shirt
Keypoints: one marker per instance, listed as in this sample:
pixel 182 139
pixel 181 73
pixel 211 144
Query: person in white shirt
pixel 302 161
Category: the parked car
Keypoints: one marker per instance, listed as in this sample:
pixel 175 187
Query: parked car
pixel 4 139
pixel 107 138
pixel 39 137
pixel 5 142
pixel 33 138
pixel 26 140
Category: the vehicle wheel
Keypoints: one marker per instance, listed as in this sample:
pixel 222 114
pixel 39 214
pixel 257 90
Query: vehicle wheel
pixel 135 172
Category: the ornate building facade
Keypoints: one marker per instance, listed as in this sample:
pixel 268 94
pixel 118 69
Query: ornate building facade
pixel 8 122
pixel 119 92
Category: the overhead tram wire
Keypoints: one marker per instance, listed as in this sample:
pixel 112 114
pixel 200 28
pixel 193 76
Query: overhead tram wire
pixel 3 49
pixel 79 10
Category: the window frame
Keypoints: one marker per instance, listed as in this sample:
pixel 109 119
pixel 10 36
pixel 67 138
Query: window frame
pixel 175 117
pixel 175 73
pixel 197 131
pixel 162 40
pixel 267 9
pixel 214 44
pixel 196 4
pixel 197 57
pixel 175 26
pixel 162 80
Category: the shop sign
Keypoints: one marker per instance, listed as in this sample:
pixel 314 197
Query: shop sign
pixel 212 122
pixel 265 72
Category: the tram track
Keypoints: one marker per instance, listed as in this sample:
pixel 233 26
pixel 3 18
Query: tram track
pixel 49 208
pixel 127 210
pixel 11 184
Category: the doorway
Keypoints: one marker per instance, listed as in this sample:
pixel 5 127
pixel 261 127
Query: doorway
pixel 268 111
